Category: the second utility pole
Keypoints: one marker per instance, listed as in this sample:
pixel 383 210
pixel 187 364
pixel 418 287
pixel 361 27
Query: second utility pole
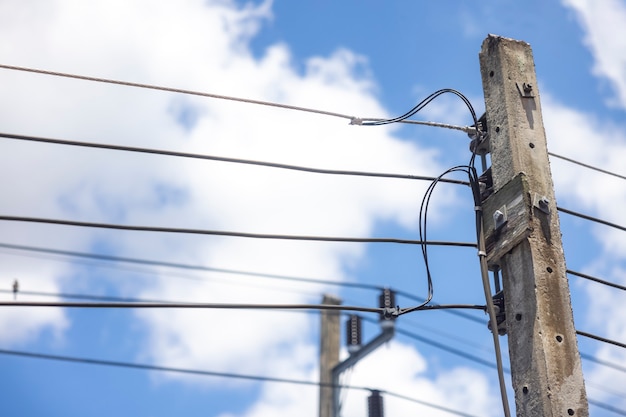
pixel 524 238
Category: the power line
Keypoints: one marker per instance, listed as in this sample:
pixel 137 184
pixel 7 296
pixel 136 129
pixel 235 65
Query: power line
pixel 608 364
pixel 149 262
pixel 601 339
pixel 353 120
pixel 573 161
pixel 222 159
pixel 110 258
pixel 219 306
pixel 220 375
pixel 598 280
pixel 440 346
pixel 406 333
pixel 591 218
pixel 229 233
pixel 607 407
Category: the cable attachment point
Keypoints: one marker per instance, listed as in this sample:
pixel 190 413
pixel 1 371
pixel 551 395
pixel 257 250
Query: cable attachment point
pixel 498 303
pixel 356 121
pixel 389 313
pixel 386 301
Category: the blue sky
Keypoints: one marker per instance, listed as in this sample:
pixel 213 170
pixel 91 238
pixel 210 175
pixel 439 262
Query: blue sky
pixel 366 59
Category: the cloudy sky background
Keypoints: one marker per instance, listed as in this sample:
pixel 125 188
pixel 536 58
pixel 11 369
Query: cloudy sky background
pixel 357 58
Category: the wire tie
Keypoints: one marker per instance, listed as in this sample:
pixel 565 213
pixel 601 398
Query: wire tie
pixel 478 208
pixel 482 253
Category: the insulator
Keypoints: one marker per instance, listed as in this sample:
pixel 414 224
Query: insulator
pixel 353 333
pixel 387 299
pixel 375 406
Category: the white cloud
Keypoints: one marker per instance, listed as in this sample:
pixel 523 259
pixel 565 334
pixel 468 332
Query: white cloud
pixel 603 22
pixel 204 46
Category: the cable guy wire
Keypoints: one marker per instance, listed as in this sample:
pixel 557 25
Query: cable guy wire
pixel 353 120
pixel 222 159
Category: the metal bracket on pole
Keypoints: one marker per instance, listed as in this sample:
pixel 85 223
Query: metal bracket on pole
pixel 385 336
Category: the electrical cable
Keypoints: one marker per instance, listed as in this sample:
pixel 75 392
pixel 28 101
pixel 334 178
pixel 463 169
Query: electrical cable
pixel 573 161
pixel 353 120
pixel 413 297
pixel 607 407
pixel 404 332
pixel 109 258
pixel 438 345
pixel 221 159
pixel 220 375
pixel 595 279
pixel 608 364
pixel 471 171
pixel 423 220
pixel 228 233
pixel 175 265
pixel 591 218
pixel 482 255
pixel 420 106
pixel 601 339
pixel 217 306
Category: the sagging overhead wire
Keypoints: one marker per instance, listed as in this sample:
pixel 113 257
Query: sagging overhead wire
pixel 596 279
pixel 573 161
pixel 473 179
pixel 407 333
pixel 591 218
pixel 34 355
pixel 136 228
pixel 423 221
pixel 420 106
pixel 353 120
pixel 222 159
pixel 148 262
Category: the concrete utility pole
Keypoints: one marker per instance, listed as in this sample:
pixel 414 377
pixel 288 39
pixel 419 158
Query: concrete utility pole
pixel 329 353
pixel 524 238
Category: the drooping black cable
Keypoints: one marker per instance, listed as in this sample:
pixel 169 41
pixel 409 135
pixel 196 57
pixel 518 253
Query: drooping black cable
pixel 601 339
pixel 110 258
pixel 595 279
pixel 217 306
pixel 223 159
pixel 404 332
pixel 484 270
pixel 145 367
pixel 150 262
pixel 420 106
pixel 591 218
pixel 573 161
pixel 607 407
pixel 228 233
pixel 422 230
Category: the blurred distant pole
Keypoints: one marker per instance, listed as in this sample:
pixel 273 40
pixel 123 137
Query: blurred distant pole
pixel 329 353
pixel 524 238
